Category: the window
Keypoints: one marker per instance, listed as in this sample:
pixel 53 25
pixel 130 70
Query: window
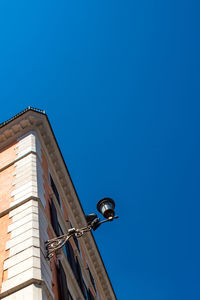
pixel 80 278
pixel 70 296
pixel 92 279
pixel 86 291
pixel 54 188
pixel 89 295
pixel 56 193
pixel 77 243
pixel 67 248
pixel 70 257
pixel 75 266
pixel 62 283
pixel 54 218
pixel 69 253
pixel 75 238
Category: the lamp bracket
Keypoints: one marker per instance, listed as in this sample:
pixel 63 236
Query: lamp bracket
pixel 57 243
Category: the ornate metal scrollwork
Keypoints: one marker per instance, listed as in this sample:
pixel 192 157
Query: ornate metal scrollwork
pixel 53 245
pixel 57 243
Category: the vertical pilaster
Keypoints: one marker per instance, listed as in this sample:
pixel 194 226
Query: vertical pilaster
pixel 26 264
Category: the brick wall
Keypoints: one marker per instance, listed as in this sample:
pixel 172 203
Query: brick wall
pixel 7 157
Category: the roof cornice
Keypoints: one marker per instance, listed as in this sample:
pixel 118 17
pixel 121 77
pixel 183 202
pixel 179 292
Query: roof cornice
pixel 21 113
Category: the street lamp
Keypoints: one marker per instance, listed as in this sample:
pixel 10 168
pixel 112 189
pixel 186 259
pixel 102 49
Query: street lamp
pixel 105 206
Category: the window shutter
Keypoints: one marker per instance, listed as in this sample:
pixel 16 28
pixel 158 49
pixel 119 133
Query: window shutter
pixel 54 188
pixel 54 218
pixel 71 258
pixel 89 294
pixel 62 281
pixel 92 279
pixel 80 278
pixel 77 243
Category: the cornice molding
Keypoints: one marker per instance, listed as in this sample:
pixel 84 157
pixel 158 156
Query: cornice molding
pixel 38 122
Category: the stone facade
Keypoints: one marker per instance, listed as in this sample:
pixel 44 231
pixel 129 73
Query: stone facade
pixel 34 183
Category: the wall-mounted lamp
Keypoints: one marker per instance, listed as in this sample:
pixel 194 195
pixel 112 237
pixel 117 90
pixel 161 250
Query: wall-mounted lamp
pixel 105 206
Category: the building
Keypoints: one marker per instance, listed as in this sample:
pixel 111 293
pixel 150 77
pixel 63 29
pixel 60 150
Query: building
pixel 38 202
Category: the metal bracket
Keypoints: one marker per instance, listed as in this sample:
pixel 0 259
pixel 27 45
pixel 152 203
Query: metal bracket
pixel 57 243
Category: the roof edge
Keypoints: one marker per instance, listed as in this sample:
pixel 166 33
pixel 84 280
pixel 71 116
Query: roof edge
pixel 21 113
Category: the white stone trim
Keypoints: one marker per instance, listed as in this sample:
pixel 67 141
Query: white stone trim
pixel 24 228
pixel 32 273
pixel 22 237
pixel 28 172
pixel 23 207
pixel 22 221
pixel 23 266
pixel 30 292
pixel 24 213
pixel 26 247
pixel 20 257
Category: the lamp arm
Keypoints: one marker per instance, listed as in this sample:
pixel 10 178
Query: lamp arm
pixel 108 220
pixel 57 243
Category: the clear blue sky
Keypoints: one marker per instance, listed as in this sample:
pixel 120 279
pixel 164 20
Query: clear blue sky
pixel 120 81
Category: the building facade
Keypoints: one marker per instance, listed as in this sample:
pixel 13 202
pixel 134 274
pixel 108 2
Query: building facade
pixel 38 202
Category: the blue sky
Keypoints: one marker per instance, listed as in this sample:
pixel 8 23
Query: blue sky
pixel 119 81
